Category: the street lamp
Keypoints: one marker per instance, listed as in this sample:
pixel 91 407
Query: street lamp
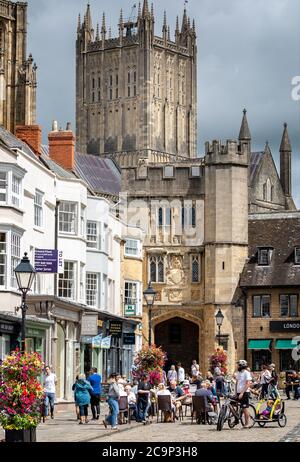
pixel 25 274
pixel 219 319
pixel 150 297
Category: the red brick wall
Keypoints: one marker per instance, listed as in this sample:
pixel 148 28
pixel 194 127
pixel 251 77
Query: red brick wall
pixel 31 135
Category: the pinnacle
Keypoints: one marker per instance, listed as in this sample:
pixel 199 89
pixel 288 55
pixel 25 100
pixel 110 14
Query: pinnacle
pixel 245 132
pixel 145 8
pixel 285 142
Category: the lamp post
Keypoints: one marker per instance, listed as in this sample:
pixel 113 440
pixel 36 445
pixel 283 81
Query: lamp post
pixel 219 319
pixel 25 274
pixel 150 297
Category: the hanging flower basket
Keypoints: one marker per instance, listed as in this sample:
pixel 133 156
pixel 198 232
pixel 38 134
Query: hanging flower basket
pixel 150 361
pixel 20 396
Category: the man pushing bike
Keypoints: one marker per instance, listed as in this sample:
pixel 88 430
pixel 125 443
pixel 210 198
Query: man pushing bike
pixel 243 383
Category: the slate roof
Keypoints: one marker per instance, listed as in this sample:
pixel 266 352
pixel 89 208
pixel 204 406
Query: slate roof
pixel 283 235
pixel 255 160
pixel 12 142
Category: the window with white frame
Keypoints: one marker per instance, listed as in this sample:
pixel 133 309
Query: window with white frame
pixel 3 187
pixel 82 221
pixel 106 239
pixel 38 208
pixel 68 217
pixel 92 235
pixel 132 248
pixel 131 298
pixel 104 292
pixel 92 289
pixel 81 289
pixel 3 259
pixel 157 272
pixel 15 256
pixel 195 268
pixel 16 191
pixel 66 283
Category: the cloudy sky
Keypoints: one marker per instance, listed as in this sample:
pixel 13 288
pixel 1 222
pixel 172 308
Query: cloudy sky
pixel 248 54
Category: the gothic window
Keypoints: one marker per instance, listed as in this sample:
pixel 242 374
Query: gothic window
pixel 128 78
pixel 134 76
pixel 111 80
pixel 129 92
pixel 134 90
pixel 117 80
pixel 189 217
pixel 93 97
pixel 99 96
pixel 157 269
pixel 160 217
pixel 110 94
pixel 268 191
pixel 93 83
pixel 117 93
pixel 99 82
pixel 196 268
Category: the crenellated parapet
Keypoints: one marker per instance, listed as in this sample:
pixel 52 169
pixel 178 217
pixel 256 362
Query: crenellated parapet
pixel 233 152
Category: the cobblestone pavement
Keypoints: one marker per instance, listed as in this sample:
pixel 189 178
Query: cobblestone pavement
pixel 64 428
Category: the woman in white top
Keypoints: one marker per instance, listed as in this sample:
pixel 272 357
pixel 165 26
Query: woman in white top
pixel 265 377
pixel 172 374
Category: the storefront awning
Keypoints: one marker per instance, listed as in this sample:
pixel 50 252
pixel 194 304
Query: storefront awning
pixel 285 345
pixel 259 344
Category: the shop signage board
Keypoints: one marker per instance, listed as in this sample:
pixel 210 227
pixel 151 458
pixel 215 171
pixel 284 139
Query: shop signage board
pixel 7 328
pixel 130 310
pixel 128 339
pixel 285 326
pixel 116 328
pixel 106 343
pixel 97 341
pixel 89 325
pixel 49 261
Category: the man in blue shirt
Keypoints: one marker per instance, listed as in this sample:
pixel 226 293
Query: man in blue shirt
pixel 95 380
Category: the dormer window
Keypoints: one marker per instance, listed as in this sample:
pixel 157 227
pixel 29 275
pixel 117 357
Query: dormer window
pixel 297 256
pixel 264 256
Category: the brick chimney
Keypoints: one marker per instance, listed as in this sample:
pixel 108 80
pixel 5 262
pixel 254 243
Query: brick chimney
pixel 31 135
pixel 62 146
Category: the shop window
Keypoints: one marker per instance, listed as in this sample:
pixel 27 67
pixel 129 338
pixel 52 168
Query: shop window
pixel 287 362
pixel 259 358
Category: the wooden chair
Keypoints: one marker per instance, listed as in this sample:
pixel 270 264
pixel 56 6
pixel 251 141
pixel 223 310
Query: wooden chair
pixel 124 408
pixel 164 404
pixel 187 406
pixel 199 408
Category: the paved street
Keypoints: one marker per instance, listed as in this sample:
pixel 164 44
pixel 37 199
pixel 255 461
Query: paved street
pixel 65 429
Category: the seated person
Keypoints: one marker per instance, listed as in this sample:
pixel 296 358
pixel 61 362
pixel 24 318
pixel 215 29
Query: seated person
pixel 177 396
pixel 267 412
pixel 207 394
pixel 187 392
pixel 163 391
pixel 131 401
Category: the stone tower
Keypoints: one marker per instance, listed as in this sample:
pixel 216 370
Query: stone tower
pixel 17 72
pixel 136 94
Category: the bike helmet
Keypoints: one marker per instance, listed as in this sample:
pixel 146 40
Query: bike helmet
pixel 242 363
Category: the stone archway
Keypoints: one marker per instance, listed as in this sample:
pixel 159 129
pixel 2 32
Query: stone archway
pixel 181 336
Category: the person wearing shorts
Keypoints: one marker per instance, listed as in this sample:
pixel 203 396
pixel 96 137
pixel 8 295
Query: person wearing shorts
pixel 243 383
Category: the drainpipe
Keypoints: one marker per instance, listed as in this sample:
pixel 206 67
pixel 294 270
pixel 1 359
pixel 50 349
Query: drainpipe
pixel 56 243
pixel 245 306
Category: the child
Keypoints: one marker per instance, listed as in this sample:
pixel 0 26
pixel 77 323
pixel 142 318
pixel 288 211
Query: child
pixel 267 412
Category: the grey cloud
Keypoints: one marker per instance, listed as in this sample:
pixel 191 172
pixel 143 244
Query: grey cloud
pixel 248 53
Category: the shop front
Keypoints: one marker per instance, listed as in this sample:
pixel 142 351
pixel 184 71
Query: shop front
pixel 9 332
pixel 107 343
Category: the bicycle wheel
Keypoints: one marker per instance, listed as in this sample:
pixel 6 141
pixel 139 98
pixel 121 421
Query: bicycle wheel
pixel 221 419
pixel 252 415
pixel 282 420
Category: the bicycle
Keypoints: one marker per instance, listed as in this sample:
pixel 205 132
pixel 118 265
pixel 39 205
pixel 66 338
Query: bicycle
pixel 232 413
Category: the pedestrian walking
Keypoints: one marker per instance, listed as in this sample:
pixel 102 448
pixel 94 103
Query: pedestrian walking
pixel 95 380
pixel 180 374
pixel 50 382
pixel 172 374
pixel 113 402
pixel 265 378
pixel 195 368
pixel 83 391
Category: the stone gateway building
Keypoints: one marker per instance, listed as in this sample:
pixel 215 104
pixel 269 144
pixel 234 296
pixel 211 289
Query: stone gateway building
pixel 137 103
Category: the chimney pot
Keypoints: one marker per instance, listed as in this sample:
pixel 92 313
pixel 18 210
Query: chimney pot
pixel 54 126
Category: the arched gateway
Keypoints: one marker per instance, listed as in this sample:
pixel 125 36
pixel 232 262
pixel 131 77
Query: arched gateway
pixel 180 337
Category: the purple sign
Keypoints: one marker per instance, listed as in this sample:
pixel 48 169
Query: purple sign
pixel 48 261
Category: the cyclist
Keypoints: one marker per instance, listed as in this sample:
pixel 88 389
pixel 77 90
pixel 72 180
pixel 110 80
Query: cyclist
pixel 243 384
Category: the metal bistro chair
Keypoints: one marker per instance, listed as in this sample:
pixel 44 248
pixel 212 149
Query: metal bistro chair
pixel 164 404
pixel 124 408
pixel 199 408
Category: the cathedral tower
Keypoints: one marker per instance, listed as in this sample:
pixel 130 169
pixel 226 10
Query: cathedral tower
pixel 136 94
pixel 17 72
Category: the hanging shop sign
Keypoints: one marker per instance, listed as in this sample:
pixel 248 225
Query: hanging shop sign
pixel 106 343
pixel 116 328
pixel 128 339
pixel 89 325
